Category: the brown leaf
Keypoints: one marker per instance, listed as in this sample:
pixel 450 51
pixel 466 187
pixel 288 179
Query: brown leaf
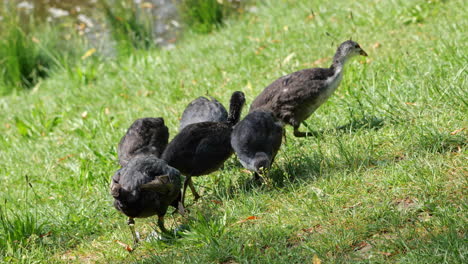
pixel 457 131
pixel 126 246
pixel 46 234
pixel 217 202
pixel 376 45
pixel 64 158
pixel 409 103
pixel 252 217
pixel 387 254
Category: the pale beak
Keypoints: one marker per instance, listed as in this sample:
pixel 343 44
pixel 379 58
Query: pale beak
pixel 363 53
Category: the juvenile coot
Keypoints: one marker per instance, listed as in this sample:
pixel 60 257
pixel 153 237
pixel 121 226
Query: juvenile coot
pixel 202 148
pixel 146 186
pixel 256 140
pixel 203 110
pixel 294 97
pixel 146 136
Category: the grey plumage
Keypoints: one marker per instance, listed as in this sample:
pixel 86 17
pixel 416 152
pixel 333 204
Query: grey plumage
pixel 203 110
pixel 202 148
pixel 256 140
pixel 146 136
pixel 294 97
pixel 146 186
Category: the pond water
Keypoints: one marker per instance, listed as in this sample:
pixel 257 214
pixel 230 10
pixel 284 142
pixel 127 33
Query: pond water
pixel 90 22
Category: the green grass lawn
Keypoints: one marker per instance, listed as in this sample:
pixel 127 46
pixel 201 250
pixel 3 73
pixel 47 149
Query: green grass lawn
pixel 384 182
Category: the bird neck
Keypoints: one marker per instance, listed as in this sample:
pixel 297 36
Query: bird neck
pixel 234 113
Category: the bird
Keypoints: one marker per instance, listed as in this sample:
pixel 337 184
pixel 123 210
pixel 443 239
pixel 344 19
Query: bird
pixel 144 137
pixel 146 186
pixel 203 110
pixel 201 148
pixel 294 97
pixel 256 141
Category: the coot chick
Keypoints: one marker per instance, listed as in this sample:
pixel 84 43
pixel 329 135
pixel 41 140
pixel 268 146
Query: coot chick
pixel 146 136
pixel 202 148
pixel 256 140
pixel 294 97
pixel 146 186
pixel 203 110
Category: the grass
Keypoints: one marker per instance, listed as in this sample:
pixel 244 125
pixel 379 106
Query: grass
pixel 384 181
pixel 130 26
pixel 203 16
pixel 31 49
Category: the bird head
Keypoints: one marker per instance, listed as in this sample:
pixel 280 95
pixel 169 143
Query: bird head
pixel 347 50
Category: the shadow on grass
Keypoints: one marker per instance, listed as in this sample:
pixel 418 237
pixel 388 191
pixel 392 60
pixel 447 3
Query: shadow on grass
pixel 367 122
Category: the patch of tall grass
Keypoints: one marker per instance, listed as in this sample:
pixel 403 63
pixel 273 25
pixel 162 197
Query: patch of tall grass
pixel 204 16
pixel 30 50
pixel 130 26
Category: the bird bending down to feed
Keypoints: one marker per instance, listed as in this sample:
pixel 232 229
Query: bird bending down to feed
pixel 294 97
pixel 203 110
pixel 256 140
pixel 146 136
pixel 146 186
pixel 201 148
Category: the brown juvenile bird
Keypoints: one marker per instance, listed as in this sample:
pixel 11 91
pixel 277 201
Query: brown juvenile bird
pixel 294 97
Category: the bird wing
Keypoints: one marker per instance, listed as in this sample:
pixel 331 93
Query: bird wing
pixel 294 87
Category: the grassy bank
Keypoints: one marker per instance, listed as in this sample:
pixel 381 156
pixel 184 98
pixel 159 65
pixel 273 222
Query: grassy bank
pixel 385 182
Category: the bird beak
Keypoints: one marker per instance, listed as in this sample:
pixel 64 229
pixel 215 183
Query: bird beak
pixel 363 53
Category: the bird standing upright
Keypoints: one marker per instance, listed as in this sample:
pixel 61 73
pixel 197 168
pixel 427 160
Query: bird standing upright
pixel 294 97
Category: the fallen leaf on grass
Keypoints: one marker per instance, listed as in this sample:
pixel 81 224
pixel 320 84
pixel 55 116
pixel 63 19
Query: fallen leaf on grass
pixel 310 17
pixel 126 246
pixel 46 234
pixel 316 260
pixel 84 115
pixel 409 103
pixel 217 202
pixel 252 217
pixel 363 247
pixel 457 131
pixel 376 45
pixel 288 58
pixel 88 53
pixel 387 254
pixel 64 158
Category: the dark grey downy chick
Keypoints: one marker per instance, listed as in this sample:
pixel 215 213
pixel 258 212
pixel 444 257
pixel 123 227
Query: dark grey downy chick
pixel 294 97
pixel 256 140
pixel 201 148
pixel 146 186
pixel 203 110
pixel 146 136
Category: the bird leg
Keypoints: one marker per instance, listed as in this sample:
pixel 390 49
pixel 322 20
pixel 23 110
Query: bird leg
pixel 131 225
pixel 298 133
pixel 182 198
pixel 161 224
pixel 194 192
